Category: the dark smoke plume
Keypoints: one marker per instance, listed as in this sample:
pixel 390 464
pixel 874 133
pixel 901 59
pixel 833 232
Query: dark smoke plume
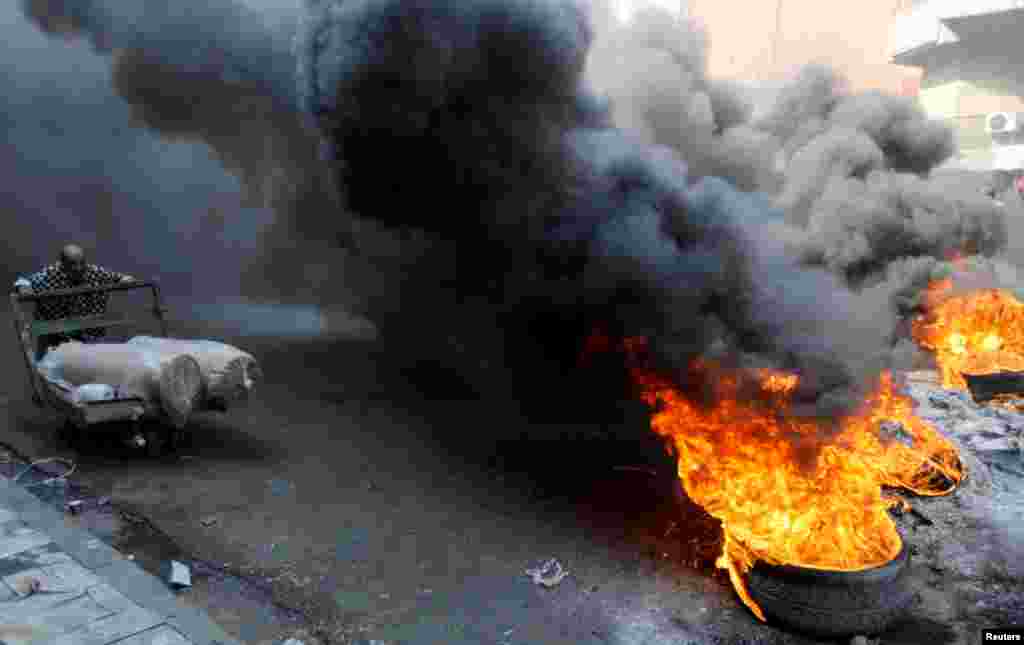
pixel 486 182
pixel 532 164
pixel 851 172
pixel 857 180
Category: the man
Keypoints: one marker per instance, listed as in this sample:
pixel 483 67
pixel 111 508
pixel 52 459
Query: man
pixel 70 271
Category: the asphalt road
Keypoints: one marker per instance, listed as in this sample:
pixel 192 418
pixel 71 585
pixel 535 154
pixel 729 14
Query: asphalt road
pixel 389 515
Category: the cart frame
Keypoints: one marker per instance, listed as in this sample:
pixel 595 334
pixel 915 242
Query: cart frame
pixel 29 329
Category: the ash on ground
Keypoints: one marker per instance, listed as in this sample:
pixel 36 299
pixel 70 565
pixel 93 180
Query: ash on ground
pixel 967 547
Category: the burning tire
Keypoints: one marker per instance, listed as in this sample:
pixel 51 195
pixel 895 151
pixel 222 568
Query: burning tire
pixel 833 603
pixel 830 604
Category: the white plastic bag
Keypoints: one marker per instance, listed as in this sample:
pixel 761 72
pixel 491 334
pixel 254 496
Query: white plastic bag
pixel 91 392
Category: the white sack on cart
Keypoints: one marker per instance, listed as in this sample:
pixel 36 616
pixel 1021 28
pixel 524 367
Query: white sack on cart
pixel 171 382
pixel 92 392
pixel 229 374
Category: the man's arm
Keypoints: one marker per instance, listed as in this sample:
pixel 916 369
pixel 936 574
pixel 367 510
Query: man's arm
pixel 106 276
pixel 29 283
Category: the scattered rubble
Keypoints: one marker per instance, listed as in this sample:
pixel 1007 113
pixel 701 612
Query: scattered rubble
pixel 280 487
pixel 970 551
pixel 894 431
pixel 27 586
pixel 549 574
pixel 178 575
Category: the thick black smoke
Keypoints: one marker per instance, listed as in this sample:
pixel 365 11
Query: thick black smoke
pixel 501 145
pixel 853 173
pixel 857 180
pixel 474 189
pixel 859 184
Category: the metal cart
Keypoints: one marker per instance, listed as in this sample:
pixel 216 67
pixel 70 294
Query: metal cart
pixel 133 415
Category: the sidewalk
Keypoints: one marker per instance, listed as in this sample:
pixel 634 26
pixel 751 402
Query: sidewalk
pixel 89 594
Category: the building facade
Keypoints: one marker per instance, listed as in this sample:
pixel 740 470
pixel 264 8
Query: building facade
pixel 957 57
pixel 968 52
pixel 768 40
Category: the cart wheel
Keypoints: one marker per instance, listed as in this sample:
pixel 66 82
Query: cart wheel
pixel 68 433
pixel 156 443
pixel 175 440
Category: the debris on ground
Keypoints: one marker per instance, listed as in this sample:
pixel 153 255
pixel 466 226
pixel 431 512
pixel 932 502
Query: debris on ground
pixel 279 487
pixel 131 518
pixel 208 521
pixel 58 480
pixel 179 575
pixel 969 550
pixel 894 431
pixel 27 586
pixel 22 634
pixel 548 574
pixel 74 506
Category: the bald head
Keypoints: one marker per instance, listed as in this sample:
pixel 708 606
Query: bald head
pixel 72 260
pixel 72 253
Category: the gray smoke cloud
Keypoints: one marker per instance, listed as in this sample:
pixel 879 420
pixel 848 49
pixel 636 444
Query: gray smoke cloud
pixel 222 74
pixel 857 181
pixel 852 173
pixel 653 70
pixel 496 176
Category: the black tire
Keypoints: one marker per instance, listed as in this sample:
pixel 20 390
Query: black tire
pixel 833 604
pixel 830 604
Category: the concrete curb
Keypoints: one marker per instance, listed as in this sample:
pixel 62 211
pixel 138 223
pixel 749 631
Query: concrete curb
pixel 108 565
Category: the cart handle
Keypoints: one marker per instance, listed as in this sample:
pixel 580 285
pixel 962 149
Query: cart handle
pixel 74 291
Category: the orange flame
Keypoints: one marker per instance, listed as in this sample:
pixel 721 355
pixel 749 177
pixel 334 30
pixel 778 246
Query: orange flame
pixel 977 333
pixel 787 490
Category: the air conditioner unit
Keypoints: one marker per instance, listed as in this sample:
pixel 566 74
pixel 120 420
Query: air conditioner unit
pixel 998 122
